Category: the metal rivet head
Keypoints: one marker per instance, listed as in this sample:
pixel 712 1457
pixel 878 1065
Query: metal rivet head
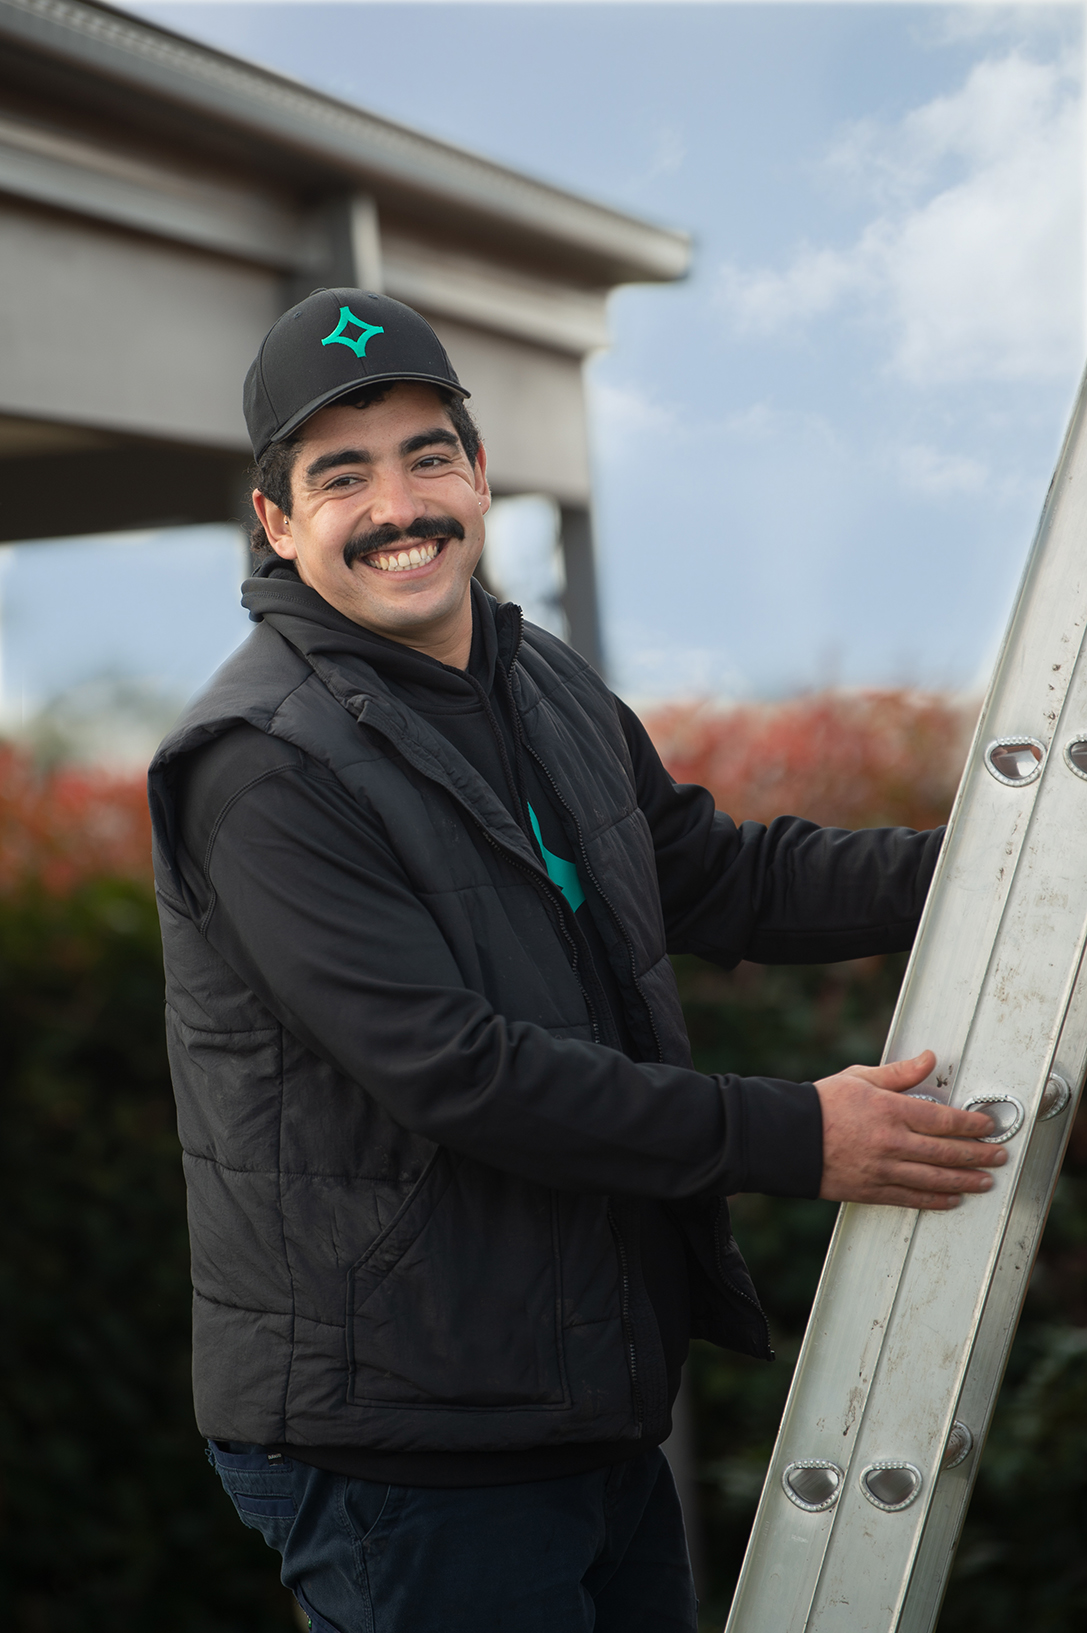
pixel 1075 756
pixel 1055 1096
pixel 1006 1112
pixel 891 1485
pixel 1015 760
pixel 960 1443
pixel 812 1484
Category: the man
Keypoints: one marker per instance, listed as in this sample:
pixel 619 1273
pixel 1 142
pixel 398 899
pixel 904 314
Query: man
pixel 457 1195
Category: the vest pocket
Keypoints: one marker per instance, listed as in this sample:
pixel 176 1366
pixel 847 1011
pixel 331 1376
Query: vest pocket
pixel 457 1302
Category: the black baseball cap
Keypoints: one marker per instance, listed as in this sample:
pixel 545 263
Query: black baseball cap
pixel 329 345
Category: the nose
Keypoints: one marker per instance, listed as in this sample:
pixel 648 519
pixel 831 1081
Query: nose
pixel 392 501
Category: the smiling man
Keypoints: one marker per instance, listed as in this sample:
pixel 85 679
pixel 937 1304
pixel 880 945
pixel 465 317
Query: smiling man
pixel 457 1193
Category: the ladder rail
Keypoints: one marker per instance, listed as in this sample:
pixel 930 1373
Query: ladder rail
pixel 1001 898
pixel 992 1347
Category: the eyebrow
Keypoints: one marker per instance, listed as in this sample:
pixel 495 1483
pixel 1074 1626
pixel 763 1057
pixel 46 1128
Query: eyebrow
pixel 363 456
pixel 425 439
pixel 342 456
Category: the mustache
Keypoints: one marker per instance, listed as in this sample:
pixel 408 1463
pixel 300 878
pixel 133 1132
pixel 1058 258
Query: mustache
pixel 380 538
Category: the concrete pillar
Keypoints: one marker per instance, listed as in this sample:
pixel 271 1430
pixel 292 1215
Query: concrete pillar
pixel 580 601
pixel 351 232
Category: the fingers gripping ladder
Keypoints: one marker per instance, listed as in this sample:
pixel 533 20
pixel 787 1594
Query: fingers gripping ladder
pixel 913 1320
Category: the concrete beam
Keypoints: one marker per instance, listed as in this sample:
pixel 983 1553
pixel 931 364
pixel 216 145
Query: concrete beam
pixel 107 490
pixel 373 155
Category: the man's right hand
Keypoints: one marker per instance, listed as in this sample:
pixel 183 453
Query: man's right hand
pixel 881 1146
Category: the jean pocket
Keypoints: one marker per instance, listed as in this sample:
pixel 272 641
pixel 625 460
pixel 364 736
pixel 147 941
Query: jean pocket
pixel 273 1508
pixel 262 1492
pixel 317 1622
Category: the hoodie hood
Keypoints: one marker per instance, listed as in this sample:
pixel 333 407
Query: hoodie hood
pixel 315 628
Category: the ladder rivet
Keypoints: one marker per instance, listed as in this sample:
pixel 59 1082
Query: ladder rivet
pixel 1075 756
pixel 1006 1112
pixel 891 1485
pixel 1055 1096
pixel 1015 761
pixel 812 1483
pixel 960 1443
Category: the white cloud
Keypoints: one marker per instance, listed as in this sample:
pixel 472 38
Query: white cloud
pixel 669 152
pixel 818 279
pixel 646 670
pixel 926 471
pixel 972 262
pixel 759 423
pixel 621 414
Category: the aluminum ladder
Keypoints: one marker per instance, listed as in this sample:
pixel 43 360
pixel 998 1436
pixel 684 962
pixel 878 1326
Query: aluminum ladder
pixel 913 1320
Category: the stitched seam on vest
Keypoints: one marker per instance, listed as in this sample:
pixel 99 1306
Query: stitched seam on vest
pixel 348 1177
pixel 475 889
pixel 274 771
pixel 374 1403
pixel 218 1031
pixel 597 691
pixel 283 1239
pixel 194 1032
pixel 250 1309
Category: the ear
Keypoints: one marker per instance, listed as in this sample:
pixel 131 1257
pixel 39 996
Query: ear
pixel 479 478
pixel 277 526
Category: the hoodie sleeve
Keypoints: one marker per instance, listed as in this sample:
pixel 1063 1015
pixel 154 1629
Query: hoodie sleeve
pixel 309 905
pixel 788 893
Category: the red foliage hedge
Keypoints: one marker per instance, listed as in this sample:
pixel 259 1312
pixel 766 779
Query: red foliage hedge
pixel 61 828
pixel 847 759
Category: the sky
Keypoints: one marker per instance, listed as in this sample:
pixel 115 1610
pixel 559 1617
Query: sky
pixel 820 459
pixel 112 627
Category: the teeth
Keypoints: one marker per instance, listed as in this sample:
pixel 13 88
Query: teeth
pixel 417 556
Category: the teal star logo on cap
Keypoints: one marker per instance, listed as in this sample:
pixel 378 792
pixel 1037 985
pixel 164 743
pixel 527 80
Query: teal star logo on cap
pixel 340 337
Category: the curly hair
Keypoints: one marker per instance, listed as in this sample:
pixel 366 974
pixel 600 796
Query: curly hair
pixel 272 474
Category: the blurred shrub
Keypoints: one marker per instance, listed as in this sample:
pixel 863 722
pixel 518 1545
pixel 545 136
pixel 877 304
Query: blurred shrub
pixel 855 760
pixel 61 828
pixel 847 759
pixel 109 1516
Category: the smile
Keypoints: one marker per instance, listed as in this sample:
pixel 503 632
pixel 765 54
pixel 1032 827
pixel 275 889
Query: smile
pixel 402 561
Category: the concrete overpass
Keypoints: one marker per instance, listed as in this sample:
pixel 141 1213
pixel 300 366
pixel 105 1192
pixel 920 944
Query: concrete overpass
pixel 161 203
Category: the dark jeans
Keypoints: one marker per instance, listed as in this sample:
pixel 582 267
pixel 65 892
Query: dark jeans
pixel 603 1551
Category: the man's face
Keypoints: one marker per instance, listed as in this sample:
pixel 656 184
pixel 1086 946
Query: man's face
pixel 387 518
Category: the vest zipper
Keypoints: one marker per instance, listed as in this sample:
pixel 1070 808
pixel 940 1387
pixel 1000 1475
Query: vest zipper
pixel 603 897
pixel 543 885
pixel 627 1323
pixel 559 902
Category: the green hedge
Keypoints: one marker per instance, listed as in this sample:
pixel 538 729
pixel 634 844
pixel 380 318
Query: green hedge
pixel 109 1515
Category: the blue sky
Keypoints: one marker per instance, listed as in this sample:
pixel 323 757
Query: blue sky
pixel 821 458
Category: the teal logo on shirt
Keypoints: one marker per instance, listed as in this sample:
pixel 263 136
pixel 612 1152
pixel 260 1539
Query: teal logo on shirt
pixel 563 874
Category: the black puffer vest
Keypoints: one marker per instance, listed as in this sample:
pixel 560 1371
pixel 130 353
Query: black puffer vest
pixel 356 1284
